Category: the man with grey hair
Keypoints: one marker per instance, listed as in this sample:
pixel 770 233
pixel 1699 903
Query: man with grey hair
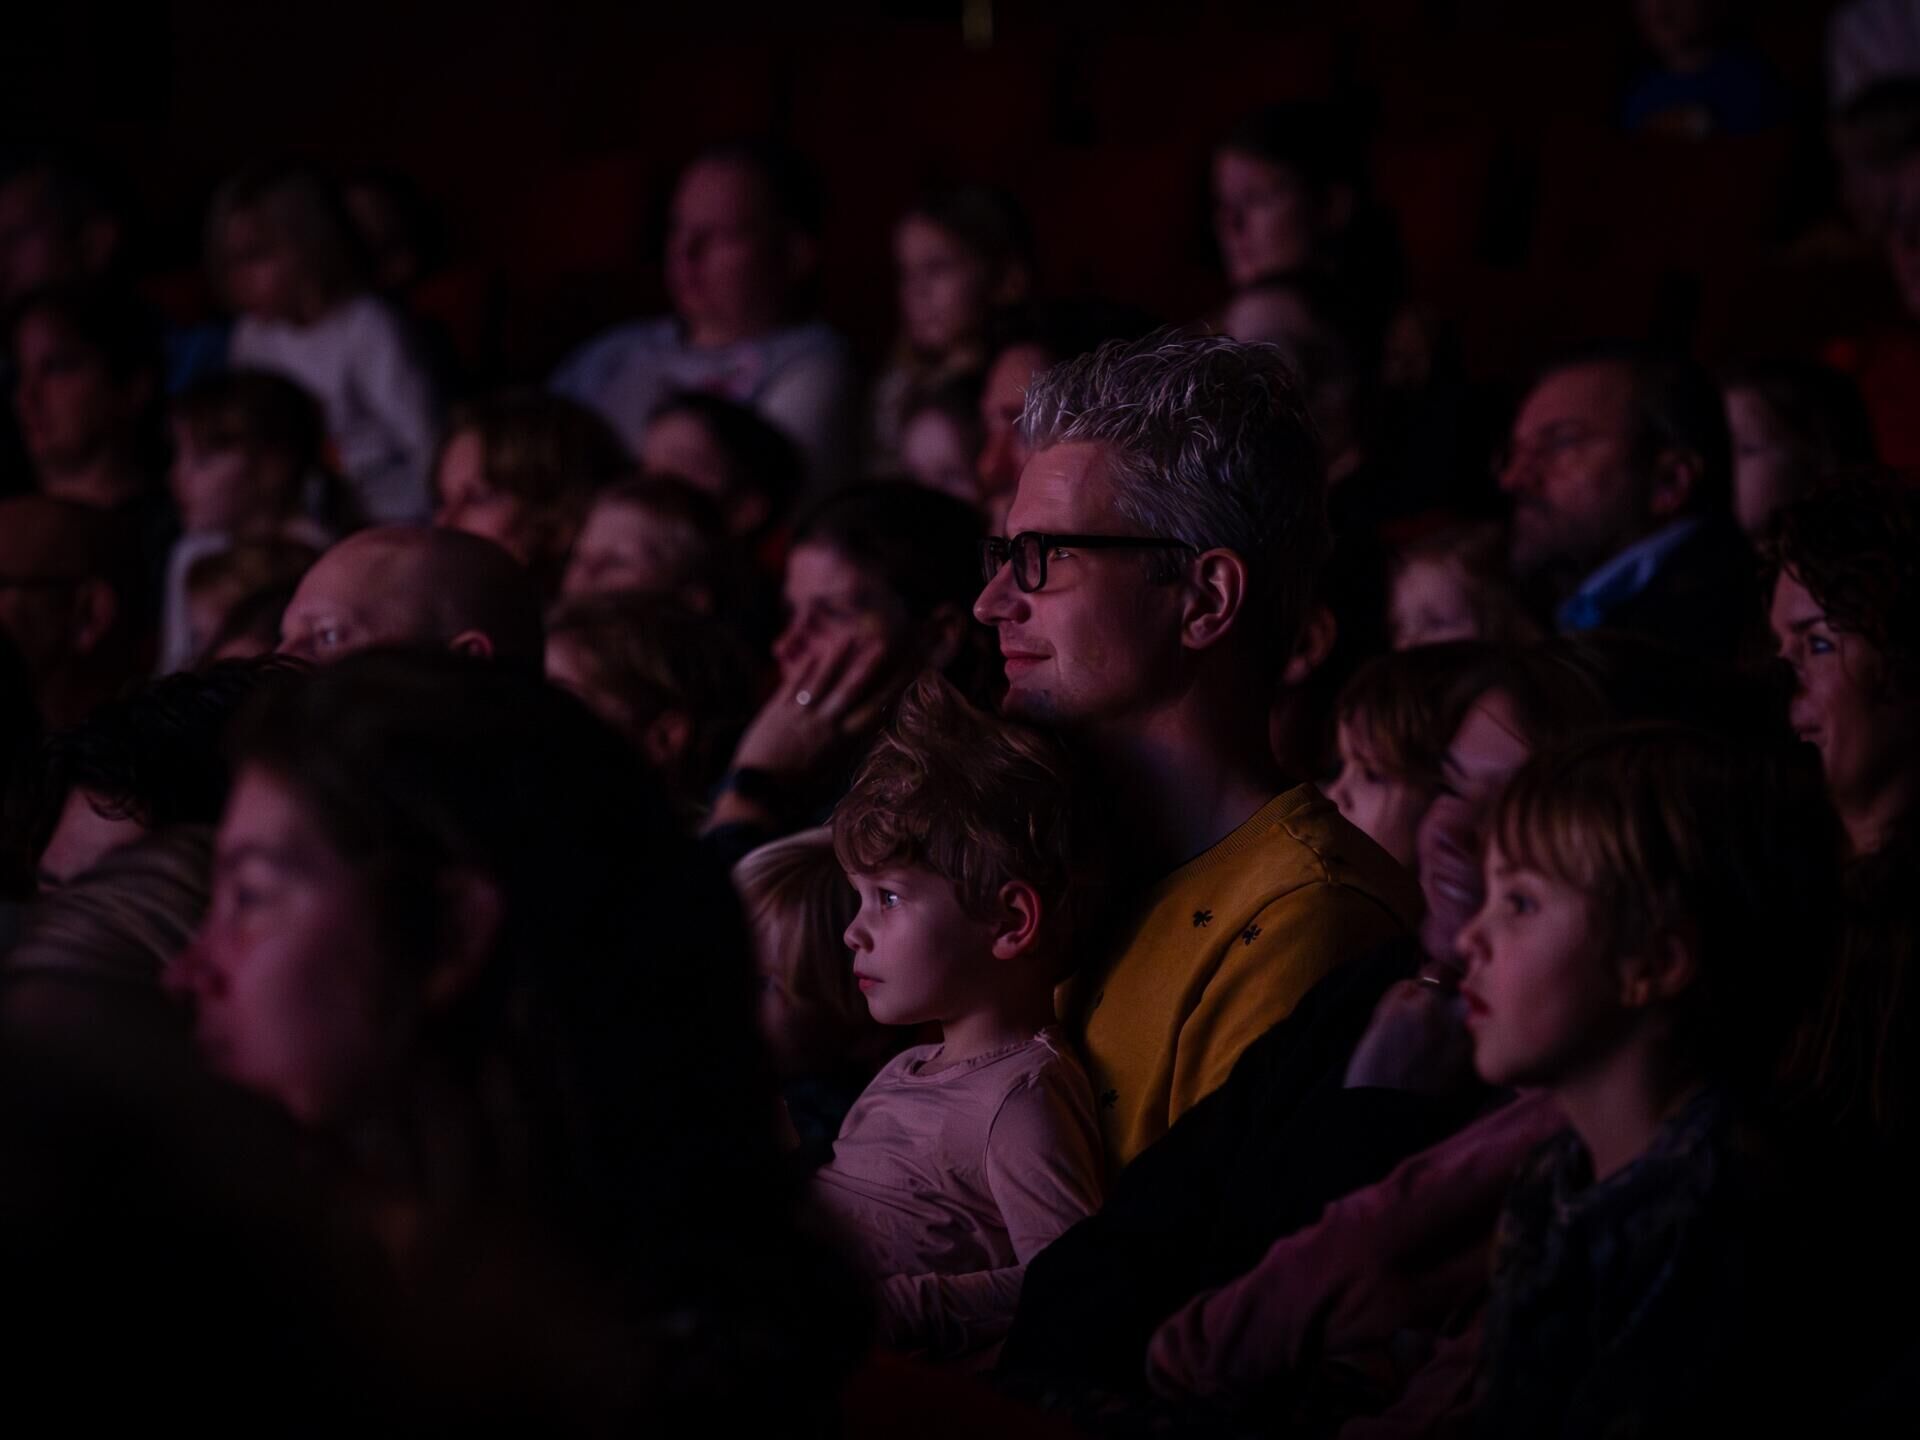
pixel 1159 556
pixel 408 585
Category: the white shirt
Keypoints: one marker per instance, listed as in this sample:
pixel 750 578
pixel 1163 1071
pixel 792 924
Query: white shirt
pixel 383 413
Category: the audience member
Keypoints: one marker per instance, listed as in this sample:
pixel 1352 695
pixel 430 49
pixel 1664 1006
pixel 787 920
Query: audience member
pixel 962 257
pixel 1290 192
pixel 517 1016
pixel 825 1045
pixel 941 438
pixel 399 585
pixel 87 379
pixel 1620 473
pixel 59 226
pixel 247 472
pixel 70 599
pixel 876 590
pixel 133 766
pixel 1164 540
pixel 521 469
pixel 284 259
pixel 1657 905
pixel 226 586
pixel 1846 617
pixel 1795 426
pixel 1395 717
pixel 1325 343
pixel 65 223
pixel 726 450
pixel 652 537
pixel 1453 585
pixel 742 247
pixel 962 1160
pixel 679 685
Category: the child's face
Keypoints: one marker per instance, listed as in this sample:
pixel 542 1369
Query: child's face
pixel 1387 808
pixel 1543 995
pixel 262 272
pixel 917 956
pixel 625 547
pixel 217 487
pixel 944 298
pixel 469 503
pixel 1766 472
pixel 1483 754
pixel 1429 606
pixel 937 454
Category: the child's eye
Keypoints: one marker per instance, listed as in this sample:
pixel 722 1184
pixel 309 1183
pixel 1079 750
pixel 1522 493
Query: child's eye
pixel 888 899
pixel 1372 777
pixel 1518 902
pixel 1819 645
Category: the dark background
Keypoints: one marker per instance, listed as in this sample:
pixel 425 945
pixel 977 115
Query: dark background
pixel 547 135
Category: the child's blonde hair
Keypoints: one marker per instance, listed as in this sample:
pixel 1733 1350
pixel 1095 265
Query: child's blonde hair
pixel 305 211
pixel 796 887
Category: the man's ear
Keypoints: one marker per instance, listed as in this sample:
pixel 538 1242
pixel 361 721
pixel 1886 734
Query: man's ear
pixel 1017 927
pixel 471 916
pixel 1676 476
pixel 1216 595
pixel 1319 632
pixel 476 643
pixel 1665 969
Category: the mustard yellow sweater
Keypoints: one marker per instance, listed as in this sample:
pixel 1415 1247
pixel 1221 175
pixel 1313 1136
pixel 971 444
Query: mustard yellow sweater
pixel 1224 947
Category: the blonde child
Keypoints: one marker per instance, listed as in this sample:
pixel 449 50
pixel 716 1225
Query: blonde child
pixel 962 1160
pixel 284 258
pixel 824 1044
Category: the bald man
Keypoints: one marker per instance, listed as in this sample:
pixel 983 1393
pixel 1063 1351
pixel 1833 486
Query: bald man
pixel 403 585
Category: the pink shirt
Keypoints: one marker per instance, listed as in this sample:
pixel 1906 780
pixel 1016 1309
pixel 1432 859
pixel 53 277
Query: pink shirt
pixel 945 1182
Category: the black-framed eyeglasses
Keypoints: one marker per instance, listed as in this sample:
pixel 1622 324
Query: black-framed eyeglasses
pixel 1030 548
